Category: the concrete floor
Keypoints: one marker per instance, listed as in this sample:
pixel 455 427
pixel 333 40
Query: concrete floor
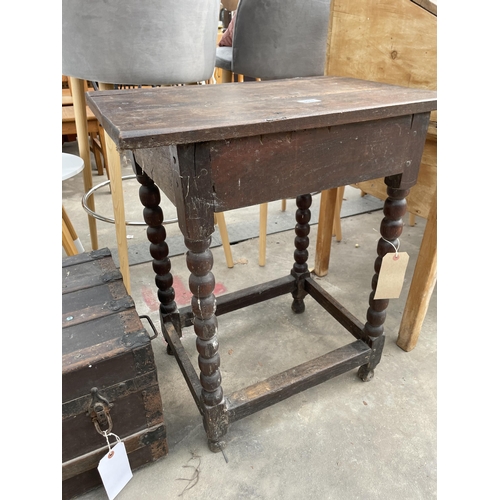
pixel 344 439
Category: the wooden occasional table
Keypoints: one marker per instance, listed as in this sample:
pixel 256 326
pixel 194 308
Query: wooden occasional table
pixel 214 148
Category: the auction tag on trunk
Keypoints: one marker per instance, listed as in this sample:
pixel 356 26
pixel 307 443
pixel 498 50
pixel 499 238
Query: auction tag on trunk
pixel 114 469
pixel 391 275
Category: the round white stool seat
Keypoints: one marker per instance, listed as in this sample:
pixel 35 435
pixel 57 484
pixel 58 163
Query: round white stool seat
pixel 71 165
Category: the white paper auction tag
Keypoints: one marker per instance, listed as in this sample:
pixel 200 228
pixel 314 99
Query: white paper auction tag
pixel 114 469
pixel 391 275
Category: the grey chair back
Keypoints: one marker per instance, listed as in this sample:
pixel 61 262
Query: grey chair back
pixel 276 39
pixel 138 42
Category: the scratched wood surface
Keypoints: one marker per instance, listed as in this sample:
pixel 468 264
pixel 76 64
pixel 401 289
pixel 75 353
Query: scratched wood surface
pixel 394 41
pixel 145 118
pixel 104 345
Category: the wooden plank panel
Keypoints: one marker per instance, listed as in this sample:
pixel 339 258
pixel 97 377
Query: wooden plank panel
pixel 394 41
pixel 245 297
pixel 423 193
pixel 333 307
pixel 69 121
pixel 134 442
pixel 326 158
pixel 288 383
pixel 181 115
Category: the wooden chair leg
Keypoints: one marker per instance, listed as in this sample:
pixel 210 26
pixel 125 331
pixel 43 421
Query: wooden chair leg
pixel 103 149
pixel 262 234
pixel 327 205
pixel 115 178
pixel 411 220
pixel 221 222
pixel 67 241
pixel 96 152
pixel 283 205
pixel 226 76
pixel 78 92
pixel 422 285
pixel 68 226
pixel 337 228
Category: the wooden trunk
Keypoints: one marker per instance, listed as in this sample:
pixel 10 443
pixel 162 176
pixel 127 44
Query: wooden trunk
pixel 105 347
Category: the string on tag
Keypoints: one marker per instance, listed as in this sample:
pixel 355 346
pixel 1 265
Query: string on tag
pixel 396 255
pixel 118 440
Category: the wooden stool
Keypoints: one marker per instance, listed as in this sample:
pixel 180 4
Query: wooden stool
pixel 71 166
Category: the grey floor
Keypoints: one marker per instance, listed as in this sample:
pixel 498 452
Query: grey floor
pixel 343 439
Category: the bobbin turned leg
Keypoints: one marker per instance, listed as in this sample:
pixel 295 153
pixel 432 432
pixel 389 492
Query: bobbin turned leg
pixel 300 270
pixel 153 215
pixel 390 230
pixel 199 260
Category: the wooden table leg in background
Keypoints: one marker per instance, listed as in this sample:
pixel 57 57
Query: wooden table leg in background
pixel 77 89
pixel 325 230
pixel 220 220
pixel 337 226
pixel 226 76
pixel 422 285
pixel 115 178
pixel 262 233
pixel 68 235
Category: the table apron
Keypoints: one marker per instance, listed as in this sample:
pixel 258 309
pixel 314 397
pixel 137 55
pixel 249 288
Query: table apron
pixel 259 169
pixel 216 176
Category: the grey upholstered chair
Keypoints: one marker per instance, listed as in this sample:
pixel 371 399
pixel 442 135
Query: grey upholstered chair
pixel 274 40
pixel 278 39
pixel 133 42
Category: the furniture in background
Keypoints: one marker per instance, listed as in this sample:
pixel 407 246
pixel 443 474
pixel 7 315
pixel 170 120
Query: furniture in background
pixel 71 165
pixel 393 43
pixel 228 8
pixel 289 138
pixel 106 42
pixel 271 41
pixel 230 5
pixel 96 132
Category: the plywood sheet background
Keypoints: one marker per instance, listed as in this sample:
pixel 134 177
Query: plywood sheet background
pixel 390 41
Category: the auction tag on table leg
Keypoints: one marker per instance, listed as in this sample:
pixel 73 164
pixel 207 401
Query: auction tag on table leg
pixel 114 469
pixel 391 275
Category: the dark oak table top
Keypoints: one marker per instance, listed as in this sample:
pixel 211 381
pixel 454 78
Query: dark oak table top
pixel 145 118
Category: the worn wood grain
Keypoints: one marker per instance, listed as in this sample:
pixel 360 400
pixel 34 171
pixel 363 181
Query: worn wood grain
pixel 164 116
pixel 394 41
pixel 332 306
pixel 104 346
pixel 306 160
pixel 279 387
pixel 423 192
pixel 245 297
pixel 422 285
pixel 132 443
pixel 89 275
